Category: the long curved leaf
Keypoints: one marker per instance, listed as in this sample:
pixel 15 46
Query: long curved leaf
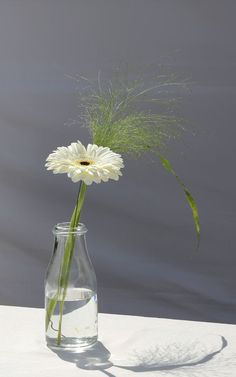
pixel 192 203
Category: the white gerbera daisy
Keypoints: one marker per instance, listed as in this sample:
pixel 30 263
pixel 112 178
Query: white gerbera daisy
pixel 91 164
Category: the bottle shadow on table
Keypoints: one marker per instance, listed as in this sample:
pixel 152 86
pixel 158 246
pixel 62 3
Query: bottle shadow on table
pixel 92 358
pixel 98 356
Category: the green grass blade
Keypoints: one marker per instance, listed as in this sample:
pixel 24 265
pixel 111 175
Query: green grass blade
pixel 192 203
pixel 50 310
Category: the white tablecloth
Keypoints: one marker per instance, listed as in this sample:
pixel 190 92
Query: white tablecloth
pixel 127 346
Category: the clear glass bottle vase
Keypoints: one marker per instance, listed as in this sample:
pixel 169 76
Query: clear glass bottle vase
pixel 70 291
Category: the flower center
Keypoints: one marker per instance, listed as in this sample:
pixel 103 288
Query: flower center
pixel 82 162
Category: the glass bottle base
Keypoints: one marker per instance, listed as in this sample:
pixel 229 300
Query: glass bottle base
pixel 71 344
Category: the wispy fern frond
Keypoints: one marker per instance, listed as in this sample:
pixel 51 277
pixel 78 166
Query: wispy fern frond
pixel 113 116
pixel 131 118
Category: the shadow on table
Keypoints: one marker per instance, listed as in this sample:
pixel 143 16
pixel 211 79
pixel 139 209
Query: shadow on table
pixel 97 358
pixel 93 358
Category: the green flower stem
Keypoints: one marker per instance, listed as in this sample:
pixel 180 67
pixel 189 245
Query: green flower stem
pixel 65 268
pixel 69 251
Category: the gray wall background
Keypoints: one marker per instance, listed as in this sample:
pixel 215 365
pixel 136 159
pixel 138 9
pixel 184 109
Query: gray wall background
pixel 141 236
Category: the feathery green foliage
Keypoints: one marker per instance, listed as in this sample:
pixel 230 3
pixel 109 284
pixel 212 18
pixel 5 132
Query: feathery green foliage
pixel 128 119
pixel 114 119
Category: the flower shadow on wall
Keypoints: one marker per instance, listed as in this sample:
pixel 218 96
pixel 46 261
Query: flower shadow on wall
pixel 180 358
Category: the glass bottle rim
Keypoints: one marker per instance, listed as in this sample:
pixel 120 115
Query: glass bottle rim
pixel 65 229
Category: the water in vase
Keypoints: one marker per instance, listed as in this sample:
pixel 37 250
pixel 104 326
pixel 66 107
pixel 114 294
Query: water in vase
pixel 79 322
